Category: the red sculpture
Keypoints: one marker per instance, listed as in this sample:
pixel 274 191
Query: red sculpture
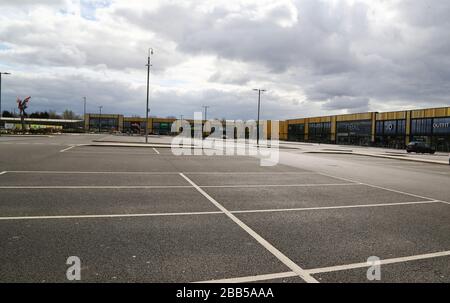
pixel 23 105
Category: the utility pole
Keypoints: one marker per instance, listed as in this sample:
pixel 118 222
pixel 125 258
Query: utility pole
pixel 150 52
pixel 259 110
pixel 100 119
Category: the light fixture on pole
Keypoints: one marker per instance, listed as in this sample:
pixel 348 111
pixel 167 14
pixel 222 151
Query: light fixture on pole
pixel 1 112
pixel 150 52
pixel 259 110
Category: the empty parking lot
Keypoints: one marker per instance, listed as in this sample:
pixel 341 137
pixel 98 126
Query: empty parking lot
pixel 134 214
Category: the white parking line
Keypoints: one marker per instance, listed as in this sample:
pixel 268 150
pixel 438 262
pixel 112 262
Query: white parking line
pixel 90 172
pixel 66 149
pixel 156 173
pixel 96 187
pixel 281 275
pixel 291 274
pixel 108 216
pixel 110 153
pixel 381 187
pixel 277 185
pixel 212 212
pixel 278 254
pixel 156 151
pixel 2 173
pixel 166 186
pixel 252 173
pixel 329 207
pixel 382 262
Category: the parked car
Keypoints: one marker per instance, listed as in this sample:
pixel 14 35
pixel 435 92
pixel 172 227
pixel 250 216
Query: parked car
pixel 420 147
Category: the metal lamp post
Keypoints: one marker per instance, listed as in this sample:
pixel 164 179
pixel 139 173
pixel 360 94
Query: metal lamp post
pixel 206 117
pixel 84 113
pixel 259 110
pixel 150 52
pixel 206 111
pixel 100 119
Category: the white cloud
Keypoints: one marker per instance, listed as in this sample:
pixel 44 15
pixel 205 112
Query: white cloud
pixel 314 56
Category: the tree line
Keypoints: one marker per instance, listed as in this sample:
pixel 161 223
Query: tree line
pixel 67 115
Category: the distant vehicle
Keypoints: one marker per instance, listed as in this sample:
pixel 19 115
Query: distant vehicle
pixel 420 148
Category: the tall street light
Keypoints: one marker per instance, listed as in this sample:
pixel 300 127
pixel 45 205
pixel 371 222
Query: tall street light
pixel 259 109
pixel 150 52
pixel 100 119
pixel 84 106
pixel 84 113
pixel 206 117
pixel 1 113
pixel 206 111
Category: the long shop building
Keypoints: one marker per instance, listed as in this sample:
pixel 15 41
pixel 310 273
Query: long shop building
pixel 110 123
pixel 388 129
pixel 131 125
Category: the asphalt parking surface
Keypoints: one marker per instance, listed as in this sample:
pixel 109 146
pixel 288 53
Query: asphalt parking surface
pixel 145 215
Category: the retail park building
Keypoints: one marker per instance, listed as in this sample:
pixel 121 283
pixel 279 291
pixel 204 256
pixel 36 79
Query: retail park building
pixel 388 129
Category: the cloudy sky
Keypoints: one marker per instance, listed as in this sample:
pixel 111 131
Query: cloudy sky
pixel 314 57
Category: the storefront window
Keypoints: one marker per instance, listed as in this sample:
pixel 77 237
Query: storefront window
pixel 421 126
pixel 106 124
pixel 354 133
pixel 363 128
pixel 391 133
pixel 296 132
pixel 379 127
pixel 319 132
pixel 390 127
pixel 162 128
pixel 401 127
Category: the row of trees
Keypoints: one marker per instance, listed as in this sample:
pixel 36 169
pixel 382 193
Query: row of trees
pixel 67 115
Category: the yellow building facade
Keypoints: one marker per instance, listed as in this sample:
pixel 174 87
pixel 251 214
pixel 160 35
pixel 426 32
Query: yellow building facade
pixel 387 129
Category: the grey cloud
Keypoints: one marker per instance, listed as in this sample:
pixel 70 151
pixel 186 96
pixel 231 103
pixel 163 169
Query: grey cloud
pixel 319 39
pixel 348 103
pixel 55 41
pixel 60 92
pixel 230 78
pixel 336 49
pixel 333 53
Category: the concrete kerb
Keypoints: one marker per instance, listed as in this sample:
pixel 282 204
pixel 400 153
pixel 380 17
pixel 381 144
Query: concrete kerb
pixel 343 152
pixel 399 157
